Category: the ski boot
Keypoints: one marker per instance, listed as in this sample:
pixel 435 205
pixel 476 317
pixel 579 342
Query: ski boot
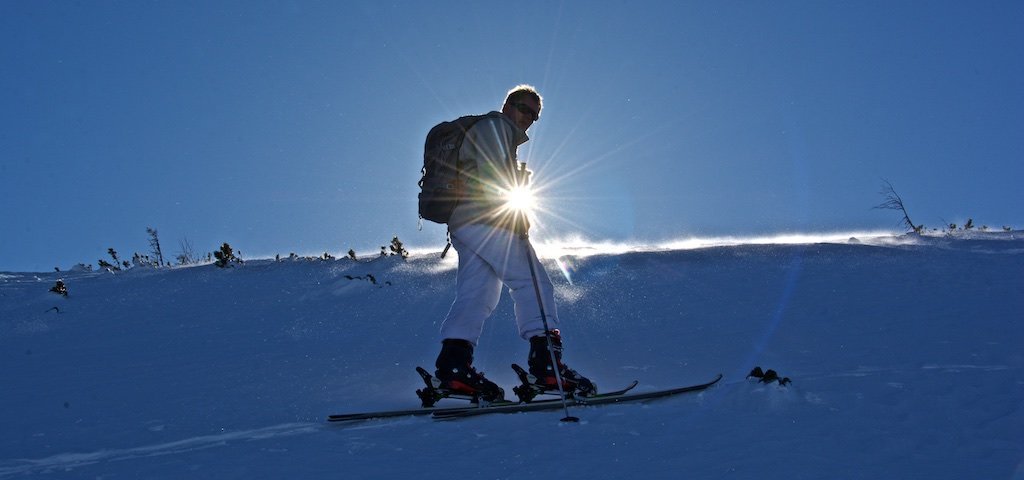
pixel 456 377
pixel 541 377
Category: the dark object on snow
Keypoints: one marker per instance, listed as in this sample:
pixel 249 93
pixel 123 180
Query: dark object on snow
pixel 369 277
pixel 768 377
pixel 60 288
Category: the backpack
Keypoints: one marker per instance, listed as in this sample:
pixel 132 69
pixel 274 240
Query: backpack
pixel 441 187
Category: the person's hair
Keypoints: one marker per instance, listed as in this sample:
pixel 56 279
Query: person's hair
pixel 520 91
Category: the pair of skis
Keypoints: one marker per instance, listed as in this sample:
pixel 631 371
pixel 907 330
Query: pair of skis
pixel 618 396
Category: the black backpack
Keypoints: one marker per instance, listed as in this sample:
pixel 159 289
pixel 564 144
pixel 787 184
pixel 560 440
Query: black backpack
pixel 441 187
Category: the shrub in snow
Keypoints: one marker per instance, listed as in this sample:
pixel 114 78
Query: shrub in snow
pixel 397 248
pixel 225 256
pixel 113 267
pixel 144 261
pixel 60 288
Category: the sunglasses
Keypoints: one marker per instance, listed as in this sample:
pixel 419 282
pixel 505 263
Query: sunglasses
pixel 526 110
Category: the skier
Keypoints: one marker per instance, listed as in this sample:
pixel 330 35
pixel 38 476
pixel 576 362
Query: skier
pixel 493 246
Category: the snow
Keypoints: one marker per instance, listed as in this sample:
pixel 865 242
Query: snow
pixel 904 352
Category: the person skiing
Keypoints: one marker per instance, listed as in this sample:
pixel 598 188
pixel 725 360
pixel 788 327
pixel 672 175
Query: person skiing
pixel 493 248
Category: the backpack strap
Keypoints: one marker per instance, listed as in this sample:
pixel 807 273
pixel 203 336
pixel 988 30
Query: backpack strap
pixel 449 245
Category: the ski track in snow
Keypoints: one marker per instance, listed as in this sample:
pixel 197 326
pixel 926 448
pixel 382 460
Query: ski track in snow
pixel 68 461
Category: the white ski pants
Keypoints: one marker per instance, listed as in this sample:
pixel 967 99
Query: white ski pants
pixel 490 257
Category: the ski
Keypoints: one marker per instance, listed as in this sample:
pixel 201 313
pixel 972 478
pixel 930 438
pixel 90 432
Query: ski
pixel 344 417
pixel 429 395
pixel 579 402
pixel 427 410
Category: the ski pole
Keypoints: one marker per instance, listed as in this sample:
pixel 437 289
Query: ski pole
pixel 547 331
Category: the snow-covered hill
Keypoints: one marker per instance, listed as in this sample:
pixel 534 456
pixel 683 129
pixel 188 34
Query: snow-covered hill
pixel 905 354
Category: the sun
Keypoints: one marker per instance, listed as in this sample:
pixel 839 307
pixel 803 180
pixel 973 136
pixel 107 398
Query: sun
pixel 520 199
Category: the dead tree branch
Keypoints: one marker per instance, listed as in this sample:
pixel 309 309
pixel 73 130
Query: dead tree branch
pixel 893 201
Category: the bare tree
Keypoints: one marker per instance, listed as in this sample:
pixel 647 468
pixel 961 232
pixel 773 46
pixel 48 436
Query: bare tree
pixel 893 201
pixel 186 255
pixel 154 245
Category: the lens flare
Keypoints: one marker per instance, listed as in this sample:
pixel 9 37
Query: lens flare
pixel 520 199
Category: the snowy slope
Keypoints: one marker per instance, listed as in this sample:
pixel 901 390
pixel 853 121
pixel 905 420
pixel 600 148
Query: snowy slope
pixel 905 354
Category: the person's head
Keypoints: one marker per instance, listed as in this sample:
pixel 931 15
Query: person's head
pixel 522 105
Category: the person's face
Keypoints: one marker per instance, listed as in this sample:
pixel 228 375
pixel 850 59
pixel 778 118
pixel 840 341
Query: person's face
pixel 523 111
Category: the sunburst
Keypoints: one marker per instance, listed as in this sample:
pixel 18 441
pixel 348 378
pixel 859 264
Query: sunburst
pixel 521 199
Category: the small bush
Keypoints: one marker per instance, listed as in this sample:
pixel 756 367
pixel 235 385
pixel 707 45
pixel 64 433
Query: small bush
pixel 113 267
pixel 60 288
pixel 225 256
pixel 398 249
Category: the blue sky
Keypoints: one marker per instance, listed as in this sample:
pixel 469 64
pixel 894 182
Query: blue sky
pixel 298 126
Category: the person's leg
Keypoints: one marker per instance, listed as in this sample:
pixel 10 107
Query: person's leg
pixel 508 256
pixel 477 291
